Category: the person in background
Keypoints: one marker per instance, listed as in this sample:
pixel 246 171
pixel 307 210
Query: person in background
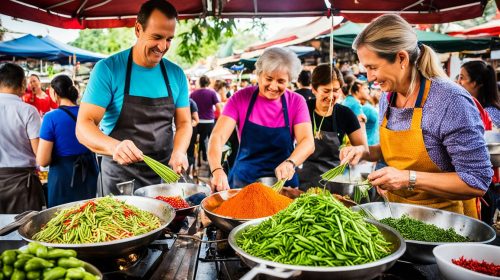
pixel 304 84
pixel 360 91
pixel 331 122
pixel 73 168
pixel 221 87
pixel 434 158
pixel 20 187
pixel 37 97
pixel 205 99
pixel 269 119
pixel 132 101
pixel 195 119
pixel 479 79
pixel 352 103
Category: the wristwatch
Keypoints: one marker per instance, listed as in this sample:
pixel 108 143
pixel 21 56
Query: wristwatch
pixel 413 180
pixel 292 162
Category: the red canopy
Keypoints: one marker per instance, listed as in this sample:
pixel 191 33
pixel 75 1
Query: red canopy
pixel 488 29
pixel 79 14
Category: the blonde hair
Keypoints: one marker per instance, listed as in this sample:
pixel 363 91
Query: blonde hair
pixel 389 34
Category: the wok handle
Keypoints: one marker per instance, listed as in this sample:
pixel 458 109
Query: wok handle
pixel 275 272
pixel 17 223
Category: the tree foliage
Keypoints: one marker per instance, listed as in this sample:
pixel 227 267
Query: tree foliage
pixel 106 41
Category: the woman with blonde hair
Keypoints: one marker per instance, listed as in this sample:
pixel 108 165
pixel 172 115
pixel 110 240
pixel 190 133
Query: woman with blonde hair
pixel 431 136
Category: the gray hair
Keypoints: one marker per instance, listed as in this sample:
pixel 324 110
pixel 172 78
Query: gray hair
pixel 275 59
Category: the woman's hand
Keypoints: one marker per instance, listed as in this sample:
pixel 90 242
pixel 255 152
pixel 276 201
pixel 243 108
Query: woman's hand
pixel 219 181
pixel 389 179
pixel 351 154
pixel 285 170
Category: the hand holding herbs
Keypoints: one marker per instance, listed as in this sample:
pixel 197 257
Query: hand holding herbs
pixel 165 172
pixel 316 230
pixel 40 262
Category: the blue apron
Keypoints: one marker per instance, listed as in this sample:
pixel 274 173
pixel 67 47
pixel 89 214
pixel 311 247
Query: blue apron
pixel 71 178
pixel 261 150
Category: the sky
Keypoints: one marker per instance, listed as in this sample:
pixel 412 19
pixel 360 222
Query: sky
pixel 23 27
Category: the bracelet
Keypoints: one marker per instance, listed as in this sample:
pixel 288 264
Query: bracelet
pixel 212 172
pixel 292 162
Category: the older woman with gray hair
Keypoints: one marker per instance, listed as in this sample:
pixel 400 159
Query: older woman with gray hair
pixel 269 119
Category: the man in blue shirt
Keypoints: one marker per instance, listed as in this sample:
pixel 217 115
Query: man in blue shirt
pixel 134 96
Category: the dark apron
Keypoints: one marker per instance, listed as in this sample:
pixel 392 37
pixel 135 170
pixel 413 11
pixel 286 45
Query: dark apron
pixel 20 190
pixel 148 123
pixel 261 150
pixel 325 157
pixel 81 184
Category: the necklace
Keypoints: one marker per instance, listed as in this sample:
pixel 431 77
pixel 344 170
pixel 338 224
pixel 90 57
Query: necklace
pixel 317 130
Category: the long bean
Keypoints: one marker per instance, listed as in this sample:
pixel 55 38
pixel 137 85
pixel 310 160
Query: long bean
pixel 334 172
pixel 165 172
pixel 316 230
pixel 99 220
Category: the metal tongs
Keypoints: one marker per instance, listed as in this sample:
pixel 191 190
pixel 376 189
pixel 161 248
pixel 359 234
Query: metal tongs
pixel 387 204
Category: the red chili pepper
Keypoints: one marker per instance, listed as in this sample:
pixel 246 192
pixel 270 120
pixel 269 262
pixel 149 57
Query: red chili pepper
pixel 481 267
pixel 175 201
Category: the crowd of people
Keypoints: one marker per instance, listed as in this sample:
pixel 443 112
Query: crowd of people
pixel 423 132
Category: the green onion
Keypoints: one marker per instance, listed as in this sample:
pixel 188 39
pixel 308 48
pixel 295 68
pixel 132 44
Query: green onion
pixel 165 172
pixel 361 191
pixel 279 185
pixel 334 172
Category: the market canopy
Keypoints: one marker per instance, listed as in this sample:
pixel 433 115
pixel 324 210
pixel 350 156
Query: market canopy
pixel 80 14
pixel 46 48
pixel 344 36
pixel 249 62
pixel 488 29
pixel 28 46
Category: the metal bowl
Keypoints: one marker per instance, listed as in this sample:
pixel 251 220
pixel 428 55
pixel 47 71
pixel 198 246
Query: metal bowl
pixel 183 190
pixel 365 271
pixel 421 251
pixel 120 247
pixel 347 188
pixel 269 181
pixel 210 203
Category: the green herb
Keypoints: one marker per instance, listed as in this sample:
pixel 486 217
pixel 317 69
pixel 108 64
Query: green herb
pixel 412 229
pixel 165 172
pixel 334 172
pixel 279 185
pixel 361 191
pixel 316 230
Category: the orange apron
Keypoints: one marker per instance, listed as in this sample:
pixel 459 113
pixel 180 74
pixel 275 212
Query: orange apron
pixel 405 150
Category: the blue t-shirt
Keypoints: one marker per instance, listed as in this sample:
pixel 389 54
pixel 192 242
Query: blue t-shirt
pixel 352 103
pixel 59 128
pixel 107 83
pixel 372 127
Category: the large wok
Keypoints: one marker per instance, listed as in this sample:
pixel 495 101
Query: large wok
pixel 120 247
pixel 365 271
pixel 421 251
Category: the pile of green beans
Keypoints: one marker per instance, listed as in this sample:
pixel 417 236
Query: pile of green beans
pixel 334 172
pixel 316 230
pixel 412 229
pixel 99 220
pixel 165 172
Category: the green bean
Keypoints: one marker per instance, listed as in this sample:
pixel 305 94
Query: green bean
pixel 165 172
pixel 99 220
pixel 343 238
pixel 334 172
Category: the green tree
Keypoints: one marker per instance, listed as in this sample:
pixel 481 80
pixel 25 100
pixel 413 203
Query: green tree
pixel 106 41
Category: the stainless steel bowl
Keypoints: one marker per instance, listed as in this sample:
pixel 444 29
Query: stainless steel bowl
pixel 209 204
pixel 269 181
pixel 493 142
pixel 420 251
pixel 347 188
pixel 364 271
pixel 183 190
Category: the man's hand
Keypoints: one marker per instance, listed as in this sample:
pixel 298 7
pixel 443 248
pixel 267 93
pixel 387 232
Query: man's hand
pixel 219 181
pixel 178 161
pixel 389 178
pixel 126 152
